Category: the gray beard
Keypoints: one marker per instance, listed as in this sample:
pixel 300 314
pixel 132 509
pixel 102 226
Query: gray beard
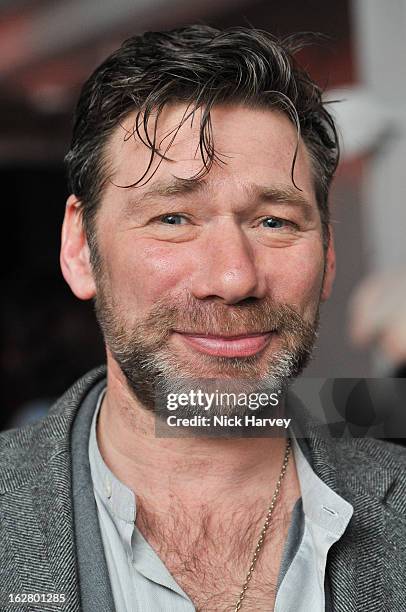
pixel 171 378
pixel 151 377
pixel 152 370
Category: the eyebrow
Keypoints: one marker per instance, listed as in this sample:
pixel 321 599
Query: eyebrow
pixel 176 187
pixel 275 194
pixel 284 194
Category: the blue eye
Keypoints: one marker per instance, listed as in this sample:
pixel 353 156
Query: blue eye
pixel 172 219
pixel 273 222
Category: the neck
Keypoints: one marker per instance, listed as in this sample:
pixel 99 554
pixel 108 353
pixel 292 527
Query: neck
pixel 194 470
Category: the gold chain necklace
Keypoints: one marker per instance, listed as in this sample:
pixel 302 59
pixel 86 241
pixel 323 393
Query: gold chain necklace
pixel 264 529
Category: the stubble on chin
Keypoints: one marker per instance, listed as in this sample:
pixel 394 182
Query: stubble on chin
pixel 152 366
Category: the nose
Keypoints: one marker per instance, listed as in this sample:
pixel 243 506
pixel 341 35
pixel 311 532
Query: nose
pixel 228 267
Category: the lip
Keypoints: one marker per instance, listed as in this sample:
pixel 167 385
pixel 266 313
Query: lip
pixel 227 346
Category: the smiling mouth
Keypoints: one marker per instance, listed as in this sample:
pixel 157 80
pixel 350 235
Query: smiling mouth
pixel 227 345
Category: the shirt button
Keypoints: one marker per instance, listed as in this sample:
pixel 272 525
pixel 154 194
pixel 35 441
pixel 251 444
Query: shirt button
pixel 108 488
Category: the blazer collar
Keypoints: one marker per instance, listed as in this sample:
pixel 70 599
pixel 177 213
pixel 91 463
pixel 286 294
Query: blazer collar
pixel 354 469
pixel 38 553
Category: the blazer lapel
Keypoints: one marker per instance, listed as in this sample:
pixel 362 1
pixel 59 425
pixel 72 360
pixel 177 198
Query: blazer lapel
pixel 54 513
pixel 355 563
pixel 37 551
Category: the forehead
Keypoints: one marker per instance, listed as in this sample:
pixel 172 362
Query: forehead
pixel 254 146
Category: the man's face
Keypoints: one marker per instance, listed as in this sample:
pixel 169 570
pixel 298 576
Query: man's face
pixel 216 278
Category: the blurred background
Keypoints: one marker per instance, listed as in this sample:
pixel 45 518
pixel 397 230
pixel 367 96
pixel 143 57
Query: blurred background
pixel 47 50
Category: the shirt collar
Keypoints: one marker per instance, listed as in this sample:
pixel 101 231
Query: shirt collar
pixel 321 505
pixel 116 496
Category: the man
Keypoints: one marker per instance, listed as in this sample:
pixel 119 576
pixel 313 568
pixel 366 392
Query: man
pixel 198 221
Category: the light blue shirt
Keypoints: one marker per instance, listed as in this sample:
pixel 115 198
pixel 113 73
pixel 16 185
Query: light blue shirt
pixel 140 581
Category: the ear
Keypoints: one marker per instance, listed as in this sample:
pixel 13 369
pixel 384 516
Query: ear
pixel 75 254
pixel 330 269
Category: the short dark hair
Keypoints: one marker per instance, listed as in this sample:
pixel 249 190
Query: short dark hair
pixel 202 67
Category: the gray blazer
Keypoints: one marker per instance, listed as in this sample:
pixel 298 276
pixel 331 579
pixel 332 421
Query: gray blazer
pixel 47 541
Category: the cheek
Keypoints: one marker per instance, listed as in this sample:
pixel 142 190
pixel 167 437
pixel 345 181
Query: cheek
pixel 296 278
pixel 146 271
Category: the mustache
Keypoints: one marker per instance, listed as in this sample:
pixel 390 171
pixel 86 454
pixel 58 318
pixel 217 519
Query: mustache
pixel 141 345
pixel 210 317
